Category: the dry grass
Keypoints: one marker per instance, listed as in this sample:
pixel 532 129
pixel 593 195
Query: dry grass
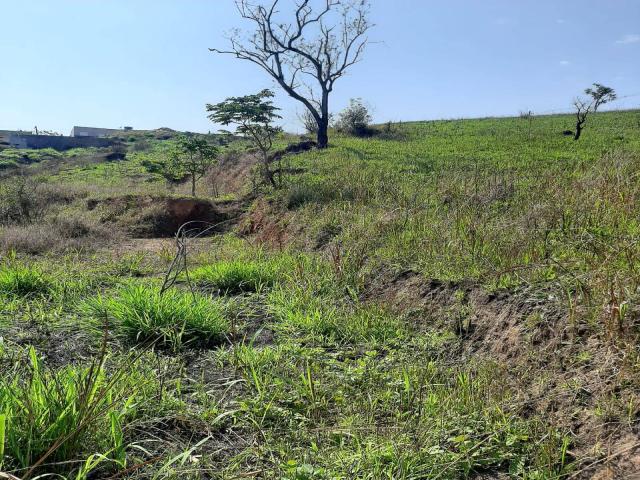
pixel 57 234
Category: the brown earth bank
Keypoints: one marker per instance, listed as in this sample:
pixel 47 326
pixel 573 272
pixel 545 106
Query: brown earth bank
pixel 560 369
pixel 145 216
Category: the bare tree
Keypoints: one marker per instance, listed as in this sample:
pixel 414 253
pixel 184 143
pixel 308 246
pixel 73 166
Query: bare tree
pixel 599 95
pixel 307 55
pixel 308 122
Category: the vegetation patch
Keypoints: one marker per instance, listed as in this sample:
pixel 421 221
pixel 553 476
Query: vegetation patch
pixel 63 421
pixel 232 277
pixel 25 281
pixel 173 319
pixel 305 312
pixel 399 414
pixel 449 299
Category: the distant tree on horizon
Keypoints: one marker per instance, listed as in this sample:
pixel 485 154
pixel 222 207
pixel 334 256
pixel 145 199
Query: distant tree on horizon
pixel 308 54
pixel 599 95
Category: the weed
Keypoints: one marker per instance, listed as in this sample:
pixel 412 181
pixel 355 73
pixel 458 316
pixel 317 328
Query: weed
pixel 235 276
pixel 25 281
pixel 53 419
pixel 174 319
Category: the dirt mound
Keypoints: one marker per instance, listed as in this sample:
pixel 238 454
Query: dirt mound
pixel 157 217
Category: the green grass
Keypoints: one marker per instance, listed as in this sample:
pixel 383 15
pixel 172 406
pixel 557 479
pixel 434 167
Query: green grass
pixel 231 277
pixel 174 319
pixel 331 381
pixel 75 421
pixel 25 281
pixel 388 415
pixel 29 156
pixel 55 417
pixel 480 199
pixel 304 311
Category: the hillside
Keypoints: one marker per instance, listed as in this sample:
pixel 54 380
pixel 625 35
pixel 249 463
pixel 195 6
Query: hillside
pixel 445 299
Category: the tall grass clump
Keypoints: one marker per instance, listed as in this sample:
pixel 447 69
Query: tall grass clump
pixel 25 281
pixel 235 276
pixel 172 319
pixel 64 421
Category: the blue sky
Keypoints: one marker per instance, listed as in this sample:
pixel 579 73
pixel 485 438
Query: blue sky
pixel 146 63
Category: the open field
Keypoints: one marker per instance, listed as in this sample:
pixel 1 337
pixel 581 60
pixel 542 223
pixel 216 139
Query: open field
pixel 442 300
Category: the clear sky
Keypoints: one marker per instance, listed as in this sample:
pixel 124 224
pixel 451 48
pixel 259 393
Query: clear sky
pixel 145 63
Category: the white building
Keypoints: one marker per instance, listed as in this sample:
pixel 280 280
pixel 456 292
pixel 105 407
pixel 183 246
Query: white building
pixel 94 132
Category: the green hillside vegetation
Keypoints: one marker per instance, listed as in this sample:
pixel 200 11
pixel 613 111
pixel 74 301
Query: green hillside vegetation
pixel 439 300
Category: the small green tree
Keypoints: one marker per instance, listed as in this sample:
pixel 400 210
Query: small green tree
pixel 599 95
pixel 192 156
pixel 253 116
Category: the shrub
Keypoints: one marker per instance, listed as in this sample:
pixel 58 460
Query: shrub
pixel 24 281
pixel 26 199
pixel 235 276
pixel 308 122
pixel 172 320
pixel 355 119
pixel 17 200
pixel 74 227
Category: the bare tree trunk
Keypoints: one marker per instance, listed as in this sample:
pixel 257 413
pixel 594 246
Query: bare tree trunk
pixel 323 135
pixel 579 124
pixel 193 185
pixel 268 176
pixel 323 123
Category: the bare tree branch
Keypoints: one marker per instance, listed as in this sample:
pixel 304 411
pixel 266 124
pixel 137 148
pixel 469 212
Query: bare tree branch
pixel 307 54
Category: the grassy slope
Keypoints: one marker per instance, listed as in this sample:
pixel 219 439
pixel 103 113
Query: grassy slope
pixel 321 379
pixel 467 199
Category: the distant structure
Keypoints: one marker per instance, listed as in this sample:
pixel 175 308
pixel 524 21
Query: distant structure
pixel 80 137
pixel 21 139
pixel 97 132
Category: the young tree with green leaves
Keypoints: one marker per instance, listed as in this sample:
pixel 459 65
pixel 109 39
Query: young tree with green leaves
pixel 192 156
pixel 253 116
pixel 599 95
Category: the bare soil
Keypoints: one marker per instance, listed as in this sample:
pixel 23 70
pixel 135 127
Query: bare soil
pixel 144 216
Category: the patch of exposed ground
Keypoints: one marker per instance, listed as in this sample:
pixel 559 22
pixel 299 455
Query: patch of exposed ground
pixel 233 173
pixel 567 373
pixel 145 216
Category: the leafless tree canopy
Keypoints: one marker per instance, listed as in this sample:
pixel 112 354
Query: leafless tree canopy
pixel 307 54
